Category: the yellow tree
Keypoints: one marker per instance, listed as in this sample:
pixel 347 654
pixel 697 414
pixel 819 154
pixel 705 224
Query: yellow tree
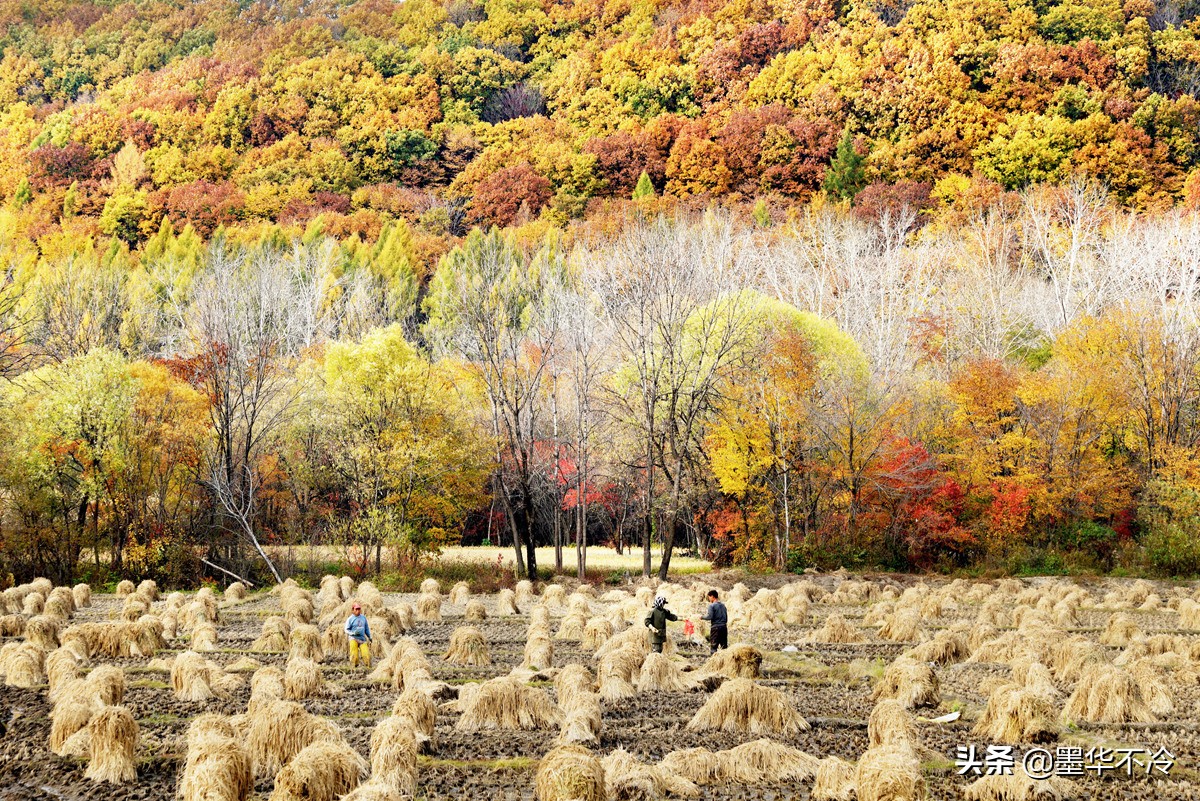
pixel 763 441
pixel 402 444
pixel 104 452
pixel 1075 410
pixel 991 450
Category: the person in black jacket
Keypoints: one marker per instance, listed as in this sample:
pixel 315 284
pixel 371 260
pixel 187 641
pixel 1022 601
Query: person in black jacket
pixel 718 618
pixel 656 621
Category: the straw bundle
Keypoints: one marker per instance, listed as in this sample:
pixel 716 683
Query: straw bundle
pixel 912 683
pixel 570 773
pixel 504 703
pixel 903 625
pixel 217 767
pixel 740 705
pixel 281 730
pixel 506 603
pixel 274 635
pixel 1108 694
pixel 475 611
pixel 889 774
pixel 467 647
pixel 460 593
pixel 42 631
pixel 113 736
pixel 418 709
pixel 581 718
pixel 739 661
pixel 596 632
pixel 626 779
pixel 23 665
pixel 836 629
pixel 572 626
pixel 429 607
pixel 394 753
pixel 302 679
pixel 305 642
pixel 322 771
pixel 204 637
pixel 698 765
pixel 766 762
pixel 617 671
pixel 834 780
pixel 890 724
pixel 1015 714
pixel 946 647
pixel 660 673
pixel 1019 786
pixel 524 593
pixel 1119 631
pixel 539 649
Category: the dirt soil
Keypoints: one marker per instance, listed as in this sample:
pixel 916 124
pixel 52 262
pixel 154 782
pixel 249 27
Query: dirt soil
pixel 834 696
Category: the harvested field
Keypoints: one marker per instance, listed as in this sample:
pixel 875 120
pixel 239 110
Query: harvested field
pixel 834 686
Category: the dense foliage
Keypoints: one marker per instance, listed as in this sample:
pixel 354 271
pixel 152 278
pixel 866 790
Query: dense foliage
pixel 218 112
pixel 903 284
pixel 1017 385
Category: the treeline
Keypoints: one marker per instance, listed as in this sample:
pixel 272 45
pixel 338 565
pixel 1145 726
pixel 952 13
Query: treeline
pixel 1012 385
pixel 449 115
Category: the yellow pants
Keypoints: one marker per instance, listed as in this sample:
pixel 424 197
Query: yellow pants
pixel 360 651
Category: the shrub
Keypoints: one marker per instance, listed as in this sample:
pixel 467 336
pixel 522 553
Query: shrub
pixel 1170 514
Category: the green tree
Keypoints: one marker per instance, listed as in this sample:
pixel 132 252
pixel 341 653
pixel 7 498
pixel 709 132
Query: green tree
pixel 124 215
pixel 406 148
pixel 845 177
pixel 762 213
pixel 393 263
pixel 73 442
pixel 24 194
pixel 644 187
pixel 71 200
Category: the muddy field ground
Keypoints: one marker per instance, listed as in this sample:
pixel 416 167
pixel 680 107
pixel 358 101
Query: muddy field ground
pixel 830 684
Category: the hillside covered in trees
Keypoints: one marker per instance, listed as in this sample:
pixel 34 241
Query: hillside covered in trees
pixel 114 114
pixel 904 285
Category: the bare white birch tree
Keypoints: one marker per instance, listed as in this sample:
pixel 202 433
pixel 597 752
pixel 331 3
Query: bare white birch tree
pixel 669 292
pixel 251 316
pixel 494 306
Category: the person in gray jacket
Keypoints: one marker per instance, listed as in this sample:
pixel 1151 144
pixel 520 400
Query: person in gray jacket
pixel 718 619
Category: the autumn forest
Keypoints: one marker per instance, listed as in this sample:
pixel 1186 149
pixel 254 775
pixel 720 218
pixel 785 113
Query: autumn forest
pixel 781 283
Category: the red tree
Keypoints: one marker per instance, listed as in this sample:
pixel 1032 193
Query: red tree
pixel 500 197
pixel 205 205
pixel 53 166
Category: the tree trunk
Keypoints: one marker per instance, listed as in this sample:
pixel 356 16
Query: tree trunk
pixel 787 515
pixel 254 540
pixel 673 524
pixel 530 545
pixel 648 520
pixel 668 544
pixel 521 516
pixel 558 538
pixel 581 511
pixel 558 533
pixel 512 523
